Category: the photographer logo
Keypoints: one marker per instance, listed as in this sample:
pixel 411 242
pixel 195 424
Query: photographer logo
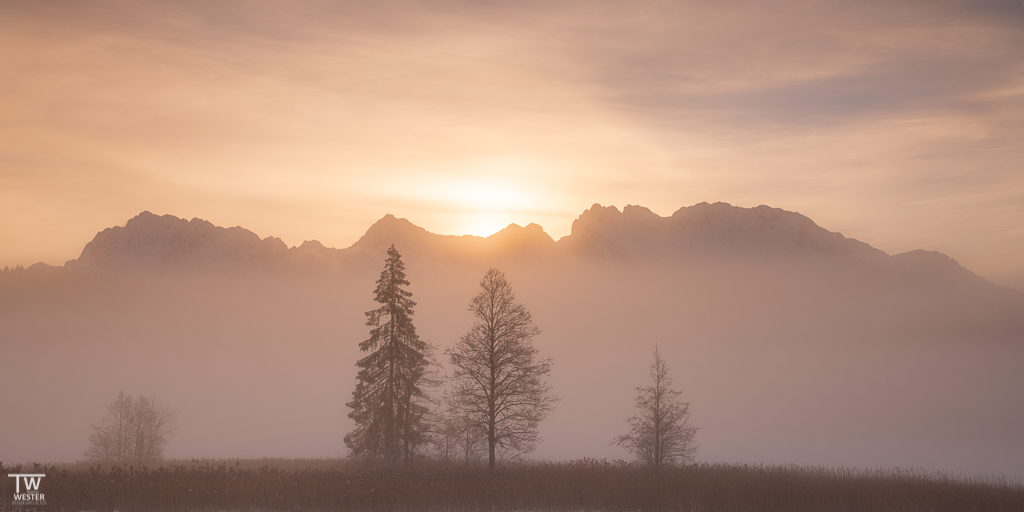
pixel 26 489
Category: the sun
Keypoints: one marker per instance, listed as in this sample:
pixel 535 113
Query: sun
pixel 480 197
pixel 483 223
pixel 486 208
pixel 482 207
pixel 486 197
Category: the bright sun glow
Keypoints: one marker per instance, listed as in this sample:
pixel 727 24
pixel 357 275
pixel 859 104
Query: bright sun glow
pixel 484 223
pixel 484 204
pixel 488 197
pixel 486 208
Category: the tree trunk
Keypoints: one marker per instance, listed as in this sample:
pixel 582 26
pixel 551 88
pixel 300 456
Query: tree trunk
pixel 491 441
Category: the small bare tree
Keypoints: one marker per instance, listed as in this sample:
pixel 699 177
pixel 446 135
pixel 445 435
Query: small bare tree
pixel 134 431
pixel 456 440
pixel 499 383
pixel 660 433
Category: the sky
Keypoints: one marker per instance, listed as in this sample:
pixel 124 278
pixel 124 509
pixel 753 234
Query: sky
pixel 900 124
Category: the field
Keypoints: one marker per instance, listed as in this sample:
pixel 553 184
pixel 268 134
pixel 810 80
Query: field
pixel 279 484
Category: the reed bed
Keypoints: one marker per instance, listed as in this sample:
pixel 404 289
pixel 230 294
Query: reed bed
pixel 284 485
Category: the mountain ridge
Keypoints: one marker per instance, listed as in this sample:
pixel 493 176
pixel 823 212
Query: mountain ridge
pixel 701 232
pixel 715 227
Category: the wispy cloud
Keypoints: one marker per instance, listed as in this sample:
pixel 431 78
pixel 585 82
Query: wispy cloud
pixel 306 119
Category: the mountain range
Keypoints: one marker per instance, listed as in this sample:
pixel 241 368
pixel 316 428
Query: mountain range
pixel 792 344
pixel 703 232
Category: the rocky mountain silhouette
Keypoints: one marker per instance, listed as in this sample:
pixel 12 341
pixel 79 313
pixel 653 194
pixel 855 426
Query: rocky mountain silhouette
pixel 704 233
pixel 152 242
pixel 718 230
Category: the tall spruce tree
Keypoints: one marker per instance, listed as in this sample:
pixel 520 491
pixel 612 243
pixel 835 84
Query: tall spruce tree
pixel 388 403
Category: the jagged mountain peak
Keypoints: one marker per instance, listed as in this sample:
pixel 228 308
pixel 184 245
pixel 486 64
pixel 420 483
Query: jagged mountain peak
pixel 410 238
pixel 530 232
pixel 312 245
pixel 640 213
pixel 165 242
pixel 715 229
pixel 394 226
pixel 734 217
pixel 702 232
pixel 519 240
pixel 391 230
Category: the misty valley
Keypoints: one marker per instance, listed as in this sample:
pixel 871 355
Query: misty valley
pixel 799 352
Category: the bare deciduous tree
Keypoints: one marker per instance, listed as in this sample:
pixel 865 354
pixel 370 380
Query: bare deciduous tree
pixel 499 383
pixel 134 431
pixel 660 433
pixel 456 439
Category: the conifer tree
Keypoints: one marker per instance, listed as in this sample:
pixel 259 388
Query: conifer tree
pixel 388 402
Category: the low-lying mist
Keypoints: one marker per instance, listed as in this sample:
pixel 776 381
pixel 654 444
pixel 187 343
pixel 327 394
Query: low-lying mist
pixel 799 358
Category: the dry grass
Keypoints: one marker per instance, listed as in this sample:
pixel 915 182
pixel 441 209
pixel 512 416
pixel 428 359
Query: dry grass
pixel 331 484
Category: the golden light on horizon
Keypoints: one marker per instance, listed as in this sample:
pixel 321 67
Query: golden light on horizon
pixel 313 120
pixel 485 198
pixel 486 206
pixel 484 223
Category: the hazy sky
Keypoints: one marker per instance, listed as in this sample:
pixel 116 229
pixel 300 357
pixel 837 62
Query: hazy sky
pixel 897 123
